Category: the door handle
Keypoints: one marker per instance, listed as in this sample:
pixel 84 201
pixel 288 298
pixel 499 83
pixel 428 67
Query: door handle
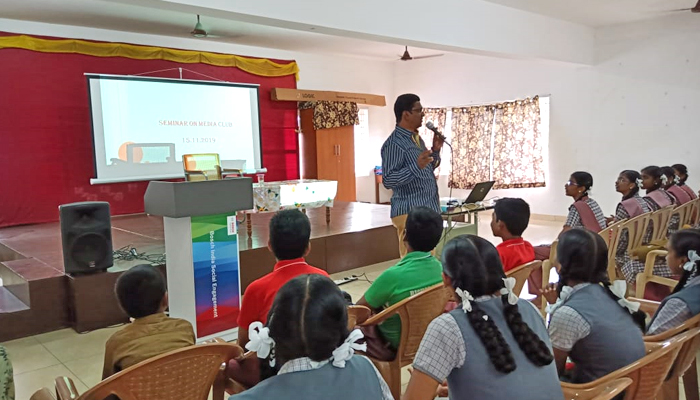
pixel 338 150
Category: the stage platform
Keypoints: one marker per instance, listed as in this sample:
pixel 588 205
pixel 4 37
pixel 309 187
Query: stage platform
pixel 37 296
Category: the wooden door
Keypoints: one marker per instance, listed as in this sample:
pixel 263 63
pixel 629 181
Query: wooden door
pixel 345 138
pixel 326 155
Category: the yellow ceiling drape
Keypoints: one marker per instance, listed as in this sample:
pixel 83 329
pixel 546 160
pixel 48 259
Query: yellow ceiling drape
pixel 255 66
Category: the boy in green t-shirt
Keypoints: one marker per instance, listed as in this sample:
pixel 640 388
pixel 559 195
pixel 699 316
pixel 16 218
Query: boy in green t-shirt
pixel 416 271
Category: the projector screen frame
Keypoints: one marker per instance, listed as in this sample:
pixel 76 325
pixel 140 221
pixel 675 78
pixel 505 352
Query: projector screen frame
pixel 92 75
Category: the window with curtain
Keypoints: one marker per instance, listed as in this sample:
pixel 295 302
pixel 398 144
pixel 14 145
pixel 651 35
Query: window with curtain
pixel 501 142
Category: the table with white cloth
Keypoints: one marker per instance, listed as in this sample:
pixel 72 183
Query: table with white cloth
pixel 294 194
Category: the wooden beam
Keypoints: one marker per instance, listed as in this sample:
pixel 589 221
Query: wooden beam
pixel 283 94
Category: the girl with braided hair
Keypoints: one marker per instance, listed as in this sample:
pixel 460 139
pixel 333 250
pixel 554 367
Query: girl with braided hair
pixel 591 321
pixel 306 350
pixel 684 303
pixel 495 346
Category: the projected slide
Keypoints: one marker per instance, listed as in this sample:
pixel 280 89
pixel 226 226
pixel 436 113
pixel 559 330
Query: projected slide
pixel 143 126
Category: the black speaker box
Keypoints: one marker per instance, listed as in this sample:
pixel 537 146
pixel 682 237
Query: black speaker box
pixel 86 232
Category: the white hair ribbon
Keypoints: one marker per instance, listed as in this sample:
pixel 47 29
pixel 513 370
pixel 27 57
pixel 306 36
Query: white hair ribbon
pixel 565 293
pixel 676 179
pixel 345 351
pixel 466 299
pixel 260 341
pixel 508 289
pixel 693 258
pixel 619 289
pixel 640 184
pixel 664 180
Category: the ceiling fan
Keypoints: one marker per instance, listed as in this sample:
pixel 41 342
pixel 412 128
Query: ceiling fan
pixel 200 32
pixel 695 9
pixel 407 57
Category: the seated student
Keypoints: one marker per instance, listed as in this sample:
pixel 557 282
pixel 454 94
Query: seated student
pixel 584 213
pixel 653 181
pixel 682 174
pixel 632 205
pixel 681 196
pixel 142 295
pixel 684 303
pixel 494 346
pixel 656 197
pixel 290 231
pixel 308 349
pixel 587 323
pixel 509 220
pixel 416 271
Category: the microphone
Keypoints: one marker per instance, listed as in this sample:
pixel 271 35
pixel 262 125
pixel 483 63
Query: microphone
pixel 435 130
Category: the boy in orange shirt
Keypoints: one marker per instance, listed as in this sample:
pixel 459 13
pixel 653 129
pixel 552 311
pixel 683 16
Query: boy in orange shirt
pixel 509 220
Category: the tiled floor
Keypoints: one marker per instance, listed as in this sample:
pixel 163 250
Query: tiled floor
pixel 38 360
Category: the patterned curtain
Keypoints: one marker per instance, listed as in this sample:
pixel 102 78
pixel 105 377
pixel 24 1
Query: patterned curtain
pixel 437 115
pixel 332 114
pixel 517 145
pixel 471 143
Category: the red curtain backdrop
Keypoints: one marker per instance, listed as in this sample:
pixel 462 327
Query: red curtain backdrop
pixel 46 149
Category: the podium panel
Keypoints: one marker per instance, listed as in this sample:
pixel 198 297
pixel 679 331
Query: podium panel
pixel 202 252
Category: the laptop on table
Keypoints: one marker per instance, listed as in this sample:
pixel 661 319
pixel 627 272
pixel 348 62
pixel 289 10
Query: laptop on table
pixel 479 192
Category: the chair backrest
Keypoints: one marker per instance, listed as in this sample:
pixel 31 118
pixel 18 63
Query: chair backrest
pixel 688 351
pixel 42 394
pixel 647 373
pixel 661 219
pixel 199 167
pixel 611 236
pixel 187 373
pixel 357 315
pixel 694 214
pixel 521 273
pixel 684 213
pixel 416 313
pixel 606 391
pixel 636 227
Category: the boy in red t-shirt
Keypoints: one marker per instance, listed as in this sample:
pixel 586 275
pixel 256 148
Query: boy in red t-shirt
pixel 509 221
pixel 290 232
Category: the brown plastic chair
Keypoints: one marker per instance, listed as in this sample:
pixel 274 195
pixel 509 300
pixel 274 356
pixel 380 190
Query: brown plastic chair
pixel 684 213
pixel 521 273
pixel 42 394
pixel 357 315
pixel 648 274
pixel 606 391
pixel 611 236
pixel 685 364
pixel 188 373
pixel 547 266
pixel 694 214
pixel 416 312
pixel 205 167
pixel 647 373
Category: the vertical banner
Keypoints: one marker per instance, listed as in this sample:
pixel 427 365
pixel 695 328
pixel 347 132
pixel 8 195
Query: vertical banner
pixel 216 273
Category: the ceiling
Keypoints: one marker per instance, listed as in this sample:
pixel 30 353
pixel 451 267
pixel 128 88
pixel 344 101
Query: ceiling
pixel 132 18
pixel 598 13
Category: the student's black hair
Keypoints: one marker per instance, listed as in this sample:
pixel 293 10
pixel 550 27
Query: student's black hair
pixel 682 242
pixel 583 256
pixel 514 213
pixel 403 103
pixel 683 170
pixel 669 172
pixel 423 229
pixel 308 318
pixel 290 231
pixel 473 264
pixel 655 172
pixel 140 290
pixel 584 179
pixel 631 176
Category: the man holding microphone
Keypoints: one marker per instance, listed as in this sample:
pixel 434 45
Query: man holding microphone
pixel 408 165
